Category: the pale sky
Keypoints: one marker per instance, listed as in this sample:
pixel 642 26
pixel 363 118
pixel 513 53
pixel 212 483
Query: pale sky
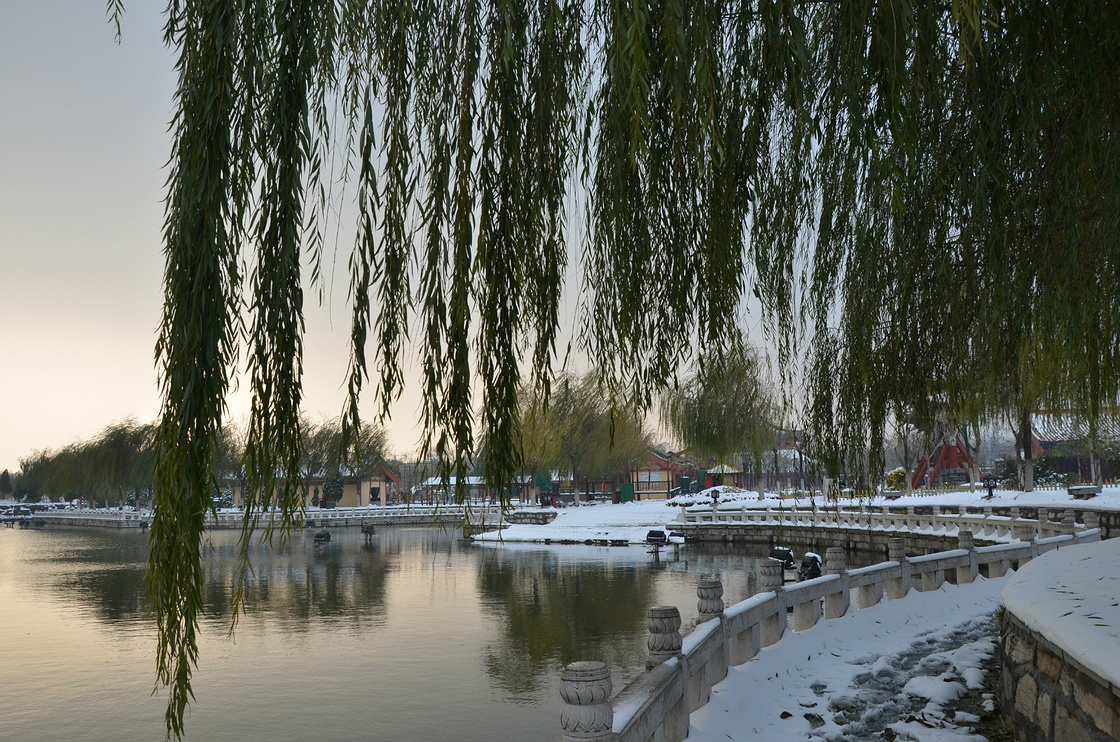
pixel 83 144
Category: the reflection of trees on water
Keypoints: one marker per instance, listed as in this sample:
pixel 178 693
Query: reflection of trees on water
pixel 553 613
pixel 103 572
pixel 114 595
pixel 302 583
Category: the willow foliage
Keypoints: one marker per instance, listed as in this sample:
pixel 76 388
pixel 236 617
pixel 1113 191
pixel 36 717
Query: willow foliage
pixel 578 432
pixel 725 408
pixel 913 191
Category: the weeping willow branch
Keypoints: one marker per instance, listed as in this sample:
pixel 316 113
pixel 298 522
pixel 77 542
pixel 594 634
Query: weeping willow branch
pixel 912 194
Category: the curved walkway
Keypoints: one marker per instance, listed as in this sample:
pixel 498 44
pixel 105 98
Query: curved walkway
pixel 901 666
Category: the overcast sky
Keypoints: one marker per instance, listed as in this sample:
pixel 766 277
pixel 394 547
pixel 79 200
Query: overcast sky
pixel 83 143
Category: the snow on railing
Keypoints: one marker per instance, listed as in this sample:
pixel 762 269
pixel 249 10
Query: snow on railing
pixel 681 671
pixel 986 525
pixel 322 518
pixel 380 515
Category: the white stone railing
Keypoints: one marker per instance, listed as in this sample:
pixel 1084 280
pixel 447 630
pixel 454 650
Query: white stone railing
pixel 94 518
pixel 985 525
pixel 325 518
pixel 681 671
pixel 355 516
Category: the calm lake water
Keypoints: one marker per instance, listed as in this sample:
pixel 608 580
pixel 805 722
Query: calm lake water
pixel 413 636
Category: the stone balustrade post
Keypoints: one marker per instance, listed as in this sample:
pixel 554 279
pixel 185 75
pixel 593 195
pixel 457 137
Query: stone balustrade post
pixel 936 511
pixel 709 594
pixel 837 603
pixel 709 604
pixel 587 714
pixel 898 587
pixel 709 599
pixel 770 580
pixel 967 573
pixel 988 511
pixel 910 517
pixel 769 576
pixel 1024 532
pixel 1015 514
pixel 664 641
pixel 773 626
pixel 1092 520
pixel 1067 523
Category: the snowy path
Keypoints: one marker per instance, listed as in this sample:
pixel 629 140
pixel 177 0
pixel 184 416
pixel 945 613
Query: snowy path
pixel 901 666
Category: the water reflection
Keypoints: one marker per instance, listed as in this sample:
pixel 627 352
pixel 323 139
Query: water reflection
pixel 428 637
pixel 102 572
pixel 553 612
pixel 301 584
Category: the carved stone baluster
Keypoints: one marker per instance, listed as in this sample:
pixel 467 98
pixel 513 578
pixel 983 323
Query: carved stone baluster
pixel 1092 520
pixel 709 594
pixel 587 714
pixel 770 580
pixel 769 576
pixel 1067 523
pixel 709 603
pixel 664 641
pixel 1024 531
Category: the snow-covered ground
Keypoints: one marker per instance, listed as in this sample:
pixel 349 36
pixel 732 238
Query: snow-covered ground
pixel 630 521
pixel 1073 598
pixel 902 665
pixel 1109 499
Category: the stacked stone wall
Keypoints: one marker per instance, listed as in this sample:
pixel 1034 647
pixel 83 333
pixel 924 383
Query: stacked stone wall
pixel 1048 696
pixel 531 517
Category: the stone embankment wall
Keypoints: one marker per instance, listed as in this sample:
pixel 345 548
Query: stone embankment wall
pixel 1048 696
pixel 799 537
pixel 1060 650
pixel 531 517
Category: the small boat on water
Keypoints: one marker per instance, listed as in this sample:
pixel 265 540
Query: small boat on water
pixel 322 537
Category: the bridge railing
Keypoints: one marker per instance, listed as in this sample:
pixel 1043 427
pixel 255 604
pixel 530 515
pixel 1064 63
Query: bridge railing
pixel 985 525
pixel 681 671
pixel 325 518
